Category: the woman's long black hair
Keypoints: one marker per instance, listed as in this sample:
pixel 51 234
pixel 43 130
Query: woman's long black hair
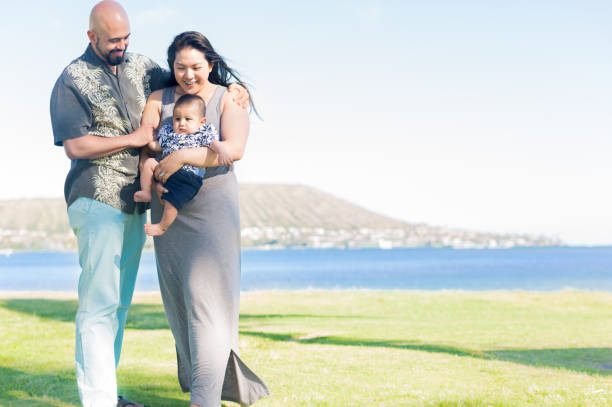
pixel 221 74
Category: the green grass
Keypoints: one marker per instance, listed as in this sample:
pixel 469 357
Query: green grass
pixel 345 348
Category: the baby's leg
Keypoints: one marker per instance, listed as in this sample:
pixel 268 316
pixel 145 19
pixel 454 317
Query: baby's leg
pixel 146 180
pixel 168 217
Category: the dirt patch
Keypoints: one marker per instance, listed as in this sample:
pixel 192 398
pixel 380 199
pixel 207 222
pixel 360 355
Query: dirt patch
pixel 313 335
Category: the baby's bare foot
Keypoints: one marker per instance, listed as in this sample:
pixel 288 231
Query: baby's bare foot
pixel 154 229
pixel 142 196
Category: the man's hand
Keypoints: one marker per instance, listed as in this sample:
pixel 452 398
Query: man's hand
pixel 142 136
pixel 240 96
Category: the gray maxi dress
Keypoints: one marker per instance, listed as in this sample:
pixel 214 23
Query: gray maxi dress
pixel 198 266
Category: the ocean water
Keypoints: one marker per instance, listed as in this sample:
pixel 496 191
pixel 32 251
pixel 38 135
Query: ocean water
pixel 539 269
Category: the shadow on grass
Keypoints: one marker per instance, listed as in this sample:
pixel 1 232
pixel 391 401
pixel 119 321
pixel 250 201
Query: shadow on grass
pixel 469 403
pixel 58 310
pixel 245 317
pixel 584 360
pixel 151 316
pixel 20 388
pixel 145 395
pixel 341 341
pixel 141 316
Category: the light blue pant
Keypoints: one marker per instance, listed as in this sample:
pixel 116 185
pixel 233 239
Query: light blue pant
pixel 110 243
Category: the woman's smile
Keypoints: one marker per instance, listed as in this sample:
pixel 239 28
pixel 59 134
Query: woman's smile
pixel 192 69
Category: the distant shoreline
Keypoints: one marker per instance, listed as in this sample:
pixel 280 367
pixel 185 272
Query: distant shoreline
pixel 64 295
pixel 145 296
pixel 7 252
pixel 274 216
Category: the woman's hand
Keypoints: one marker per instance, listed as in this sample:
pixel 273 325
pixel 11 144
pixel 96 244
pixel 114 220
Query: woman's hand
pixel 168 166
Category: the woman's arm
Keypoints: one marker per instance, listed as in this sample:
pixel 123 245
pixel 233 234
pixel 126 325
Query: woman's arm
pixel 152 110
pixel 235 125
pixel 150 116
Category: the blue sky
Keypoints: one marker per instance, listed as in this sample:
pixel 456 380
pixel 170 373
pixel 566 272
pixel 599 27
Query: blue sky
pixel 487 115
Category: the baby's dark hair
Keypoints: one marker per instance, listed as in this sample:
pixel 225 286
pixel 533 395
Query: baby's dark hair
pixel 191 99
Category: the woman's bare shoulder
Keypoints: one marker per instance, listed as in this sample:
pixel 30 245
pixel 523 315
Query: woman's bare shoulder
pixel 226 94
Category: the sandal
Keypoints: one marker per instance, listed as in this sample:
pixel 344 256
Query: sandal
pixel 123 402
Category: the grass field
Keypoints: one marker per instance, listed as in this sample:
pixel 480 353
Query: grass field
pixel 344 348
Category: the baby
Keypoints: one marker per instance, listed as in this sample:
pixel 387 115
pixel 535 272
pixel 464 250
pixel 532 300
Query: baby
pixel 189 130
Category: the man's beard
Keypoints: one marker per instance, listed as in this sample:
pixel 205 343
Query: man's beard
pixel 110 59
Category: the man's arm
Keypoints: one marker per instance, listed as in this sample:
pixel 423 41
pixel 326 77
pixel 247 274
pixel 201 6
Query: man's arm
pixel 72 120
pixel 90 146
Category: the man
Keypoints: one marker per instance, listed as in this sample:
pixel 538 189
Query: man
pixel 96 107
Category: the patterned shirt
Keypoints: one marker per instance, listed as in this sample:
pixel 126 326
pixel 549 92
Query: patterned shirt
pixel 171 142
pixel 88 98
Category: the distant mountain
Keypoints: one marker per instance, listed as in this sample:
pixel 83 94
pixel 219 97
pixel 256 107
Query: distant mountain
pixel 270 205
pixel 272 216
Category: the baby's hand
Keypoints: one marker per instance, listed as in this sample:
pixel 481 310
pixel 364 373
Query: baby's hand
pixel 223 157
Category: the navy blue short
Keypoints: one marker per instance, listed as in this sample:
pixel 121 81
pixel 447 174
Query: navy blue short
pixel 182 186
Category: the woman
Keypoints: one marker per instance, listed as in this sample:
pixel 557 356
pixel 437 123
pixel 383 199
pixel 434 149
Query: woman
pixel 198 258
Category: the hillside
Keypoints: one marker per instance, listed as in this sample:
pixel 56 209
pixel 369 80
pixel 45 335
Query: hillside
pixel 272 216
pixel 269 205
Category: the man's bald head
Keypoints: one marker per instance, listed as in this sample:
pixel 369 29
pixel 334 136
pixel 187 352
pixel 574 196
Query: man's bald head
pixel 109 31
pixel 106 12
